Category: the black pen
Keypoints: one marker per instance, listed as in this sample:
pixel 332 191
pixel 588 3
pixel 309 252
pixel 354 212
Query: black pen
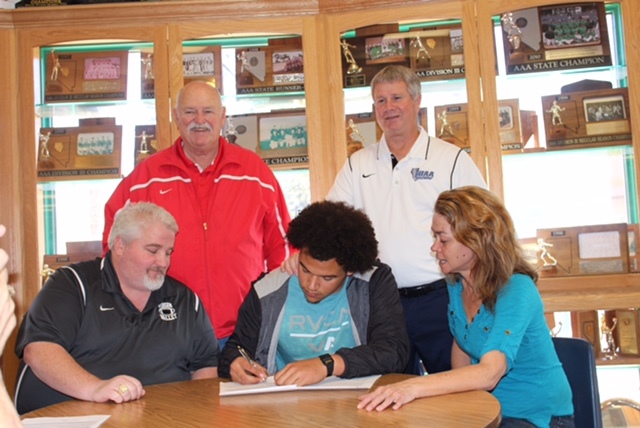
pixel 246 356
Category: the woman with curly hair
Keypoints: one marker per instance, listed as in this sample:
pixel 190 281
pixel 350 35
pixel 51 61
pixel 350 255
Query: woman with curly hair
pixel 501 340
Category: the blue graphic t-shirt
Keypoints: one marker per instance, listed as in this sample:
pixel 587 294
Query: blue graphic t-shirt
pixel 311 329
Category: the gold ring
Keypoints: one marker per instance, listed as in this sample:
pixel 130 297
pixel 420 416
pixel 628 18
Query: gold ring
pixel 123 389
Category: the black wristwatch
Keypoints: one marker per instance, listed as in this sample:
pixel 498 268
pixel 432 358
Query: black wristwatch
pixel 327 360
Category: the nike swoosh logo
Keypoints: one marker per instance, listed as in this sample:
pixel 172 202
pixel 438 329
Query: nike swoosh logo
pixel 103 309
pixel 368 175
pixel 162 192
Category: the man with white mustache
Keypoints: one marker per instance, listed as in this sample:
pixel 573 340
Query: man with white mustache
pixel 101 330
pixel 231 211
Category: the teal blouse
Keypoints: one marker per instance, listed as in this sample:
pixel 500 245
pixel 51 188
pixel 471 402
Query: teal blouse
pixel 535 386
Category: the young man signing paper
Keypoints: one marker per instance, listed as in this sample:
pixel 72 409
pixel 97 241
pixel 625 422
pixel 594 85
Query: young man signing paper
pixel 339 315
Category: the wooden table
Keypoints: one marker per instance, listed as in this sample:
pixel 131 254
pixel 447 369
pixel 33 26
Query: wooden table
pixel 197 404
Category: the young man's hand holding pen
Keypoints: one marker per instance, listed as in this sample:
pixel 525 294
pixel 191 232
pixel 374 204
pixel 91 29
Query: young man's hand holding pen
pixel 245 370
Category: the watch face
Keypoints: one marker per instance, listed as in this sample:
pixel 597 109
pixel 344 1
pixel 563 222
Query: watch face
pixel 327 360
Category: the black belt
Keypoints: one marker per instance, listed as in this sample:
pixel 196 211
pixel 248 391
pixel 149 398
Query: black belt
pixel 421 290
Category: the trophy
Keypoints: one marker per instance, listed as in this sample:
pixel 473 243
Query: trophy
pixel 57 68
pixel 147 66
pixel 231 134
pixel 514 33
pixel 144 145
pixel 355 140
pixel 44 145
pixel 422 54
pixel 353 68
pixel 610 352
pixel 545 256
pixel 46 272
pixel 445 127
pixel 555 111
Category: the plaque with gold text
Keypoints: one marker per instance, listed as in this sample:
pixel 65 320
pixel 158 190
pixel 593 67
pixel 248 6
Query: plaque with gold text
pixel 587 119
pixel 583 250
pixel 85 76
pixel 92 150
pixel 557 37
pixel 434 53
pixel 626 332
pixel 276 68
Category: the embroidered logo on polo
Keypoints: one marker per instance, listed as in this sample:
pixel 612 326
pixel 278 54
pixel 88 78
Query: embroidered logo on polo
pixel 167 311
pixel 419 174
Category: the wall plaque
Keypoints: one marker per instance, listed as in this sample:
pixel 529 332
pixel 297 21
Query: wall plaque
pixel 203 63
pixel 583 250
pixel 588 118
pixel 585 324
pixel 89 151
pixel 85 76
pixel 558 37
pixel 451 125
pixel 626 333
pixel 278 67
pixel 434 53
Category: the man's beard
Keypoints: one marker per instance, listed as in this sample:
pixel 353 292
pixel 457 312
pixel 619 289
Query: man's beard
pixel 152 284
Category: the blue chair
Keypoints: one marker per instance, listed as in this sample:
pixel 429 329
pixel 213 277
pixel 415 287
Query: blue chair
pixel 579 364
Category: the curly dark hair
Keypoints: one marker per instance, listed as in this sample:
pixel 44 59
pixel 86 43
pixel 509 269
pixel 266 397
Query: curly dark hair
pixel 334 230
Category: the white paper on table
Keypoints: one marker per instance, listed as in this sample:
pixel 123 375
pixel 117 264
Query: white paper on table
pixel 332 382
pixel 93 421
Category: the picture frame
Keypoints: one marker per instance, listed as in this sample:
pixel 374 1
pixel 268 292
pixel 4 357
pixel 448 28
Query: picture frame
pixel 85 76
pixel 604 109
pixel 385 50
pixel 87 152
pixel 282 138
pixel 203 63
pixel 557 37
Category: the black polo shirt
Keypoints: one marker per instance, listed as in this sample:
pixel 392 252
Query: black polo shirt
pixel 82 308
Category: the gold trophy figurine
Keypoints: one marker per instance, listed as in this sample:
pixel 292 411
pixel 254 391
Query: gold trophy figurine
pixel 422 53
pixel 144 145
pixel 231 134
pixel 348 56
pixel 555 111
pixel 513 31
pixel 610 352
pixel 147 64
pixel 44 145
pixel 545 255
pixel 445 127
pixel 46 272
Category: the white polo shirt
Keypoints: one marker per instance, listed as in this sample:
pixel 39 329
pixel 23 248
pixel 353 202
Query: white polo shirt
pixel 400 201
